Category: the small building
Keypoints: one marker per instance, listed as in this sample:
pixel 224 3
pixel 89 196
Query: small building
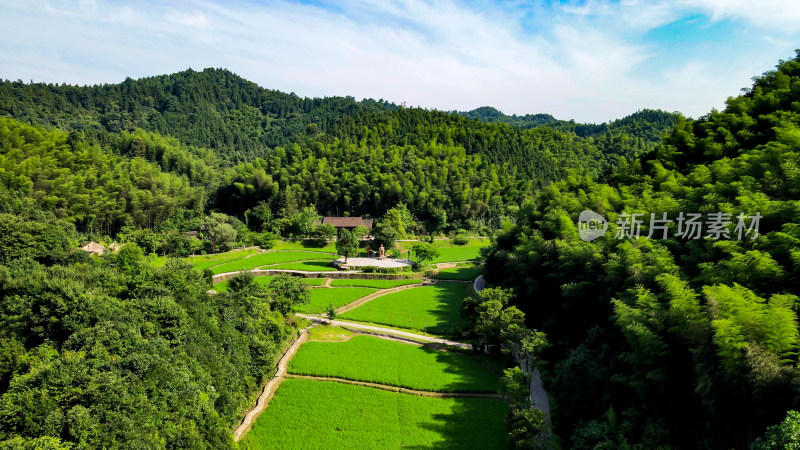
pixel 347 222
pixel 93 248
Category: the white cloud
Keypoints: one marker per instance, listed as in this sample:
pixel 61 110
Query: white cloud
pixel 783 15
pixel 437 54
pixel 193 19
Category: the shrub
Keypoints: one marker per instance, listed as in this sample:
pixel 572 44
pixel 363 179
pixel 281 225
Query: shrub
pixel 265 240
pixel 461 239
pixel 330 311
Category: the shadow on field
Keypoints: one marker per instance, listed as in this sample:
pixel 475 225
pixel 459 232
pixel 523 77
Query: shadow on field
pixel 447 312
pixel 472 423
pixel 472 374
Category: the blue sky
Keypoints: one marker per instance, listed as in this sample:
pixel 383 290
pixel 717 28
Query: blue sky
pixel 584 60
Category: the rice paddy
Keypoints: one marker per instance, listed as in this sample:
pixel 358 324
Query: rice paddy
pixel 434 309
pixel 322 414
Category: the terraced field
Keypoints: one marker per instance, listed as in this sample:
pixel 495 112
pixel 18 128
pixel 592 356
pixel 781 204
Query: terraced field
pixel 270 258
pixel 322 414
pixel 366 358
pixel 222 286
pixel 434 309
pixel 465 272
pixel 304 266
pixel 320 298
pixel 318 402
pixel 377 284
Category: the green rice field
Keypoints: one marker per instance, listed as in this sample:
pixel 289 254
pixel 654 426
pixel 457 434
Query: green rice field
pixel 434 309
pixel 462 272
pixel 222 286
pixel 366 358
pixel 320 298
pixel 308 414
pixel 378 284
pixel 304 266
pixel 206 261
pixel 269 258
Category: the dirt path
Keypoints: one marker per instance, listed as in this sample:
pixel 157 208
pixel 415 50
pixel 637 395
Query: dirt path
pixel 328 282
pixel 261 272
pixel 401 390
pixel 539 397
pixel 375 295
pixel 387 331
pixel 269 389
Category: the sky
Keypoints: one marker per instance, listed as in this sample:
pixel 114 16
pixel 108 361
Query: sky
pixel 591 61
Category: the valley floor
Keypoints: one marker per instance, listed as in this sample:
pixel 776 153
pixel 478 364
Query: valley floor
pixel 373 383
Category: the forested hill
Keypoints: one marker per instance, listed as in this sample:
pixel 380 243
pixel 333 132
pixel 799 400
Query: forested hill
pixel 213 108
pixel 680 341
pixel 629 136
pixel 237 144
pixel 241 121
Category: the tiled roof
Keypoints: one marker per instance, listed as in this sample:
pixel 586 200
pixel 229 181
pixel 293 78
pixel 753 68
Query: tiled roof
pixel 347 222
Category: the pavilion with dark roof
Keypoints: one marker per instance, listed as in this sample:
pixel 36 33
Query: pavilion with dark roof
pixel 347 222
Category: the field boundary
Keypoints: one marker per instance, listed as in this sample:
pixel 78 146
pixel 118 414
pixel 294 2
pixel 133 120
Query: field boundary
pixel 272 385
pixel 382 292
pixel 400 390
pixel 388 331
pixel 339 275
pixel 379 293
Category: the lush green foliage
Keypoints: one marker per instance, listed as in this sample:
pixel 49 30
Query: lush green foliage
pixel 319 414
pixel 338 297
pixel 78 181
pixel 785 435
pixel 677 341
pixel 424 251
pixel 336 154
pixel 434 309
pixel 114 351
pixel 365 358
pixel 214 109
pixel 347 244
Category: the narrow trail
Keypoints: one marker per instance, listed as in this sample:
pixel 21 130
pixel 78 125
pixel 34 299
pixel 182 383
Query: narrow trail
pixel 269 389
pixel 261 272
pixel 382 292
pixel 538 394
pixel 376 294
pixel 401 390
pixel 384 330
pixel 402 340
pixel 328 282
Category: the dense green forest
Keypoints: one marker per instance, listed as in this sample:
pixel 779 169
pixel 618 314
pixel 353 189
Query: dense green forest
pixel 103 353
pixel 217 142
pixel 674 342
pixel 214 109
